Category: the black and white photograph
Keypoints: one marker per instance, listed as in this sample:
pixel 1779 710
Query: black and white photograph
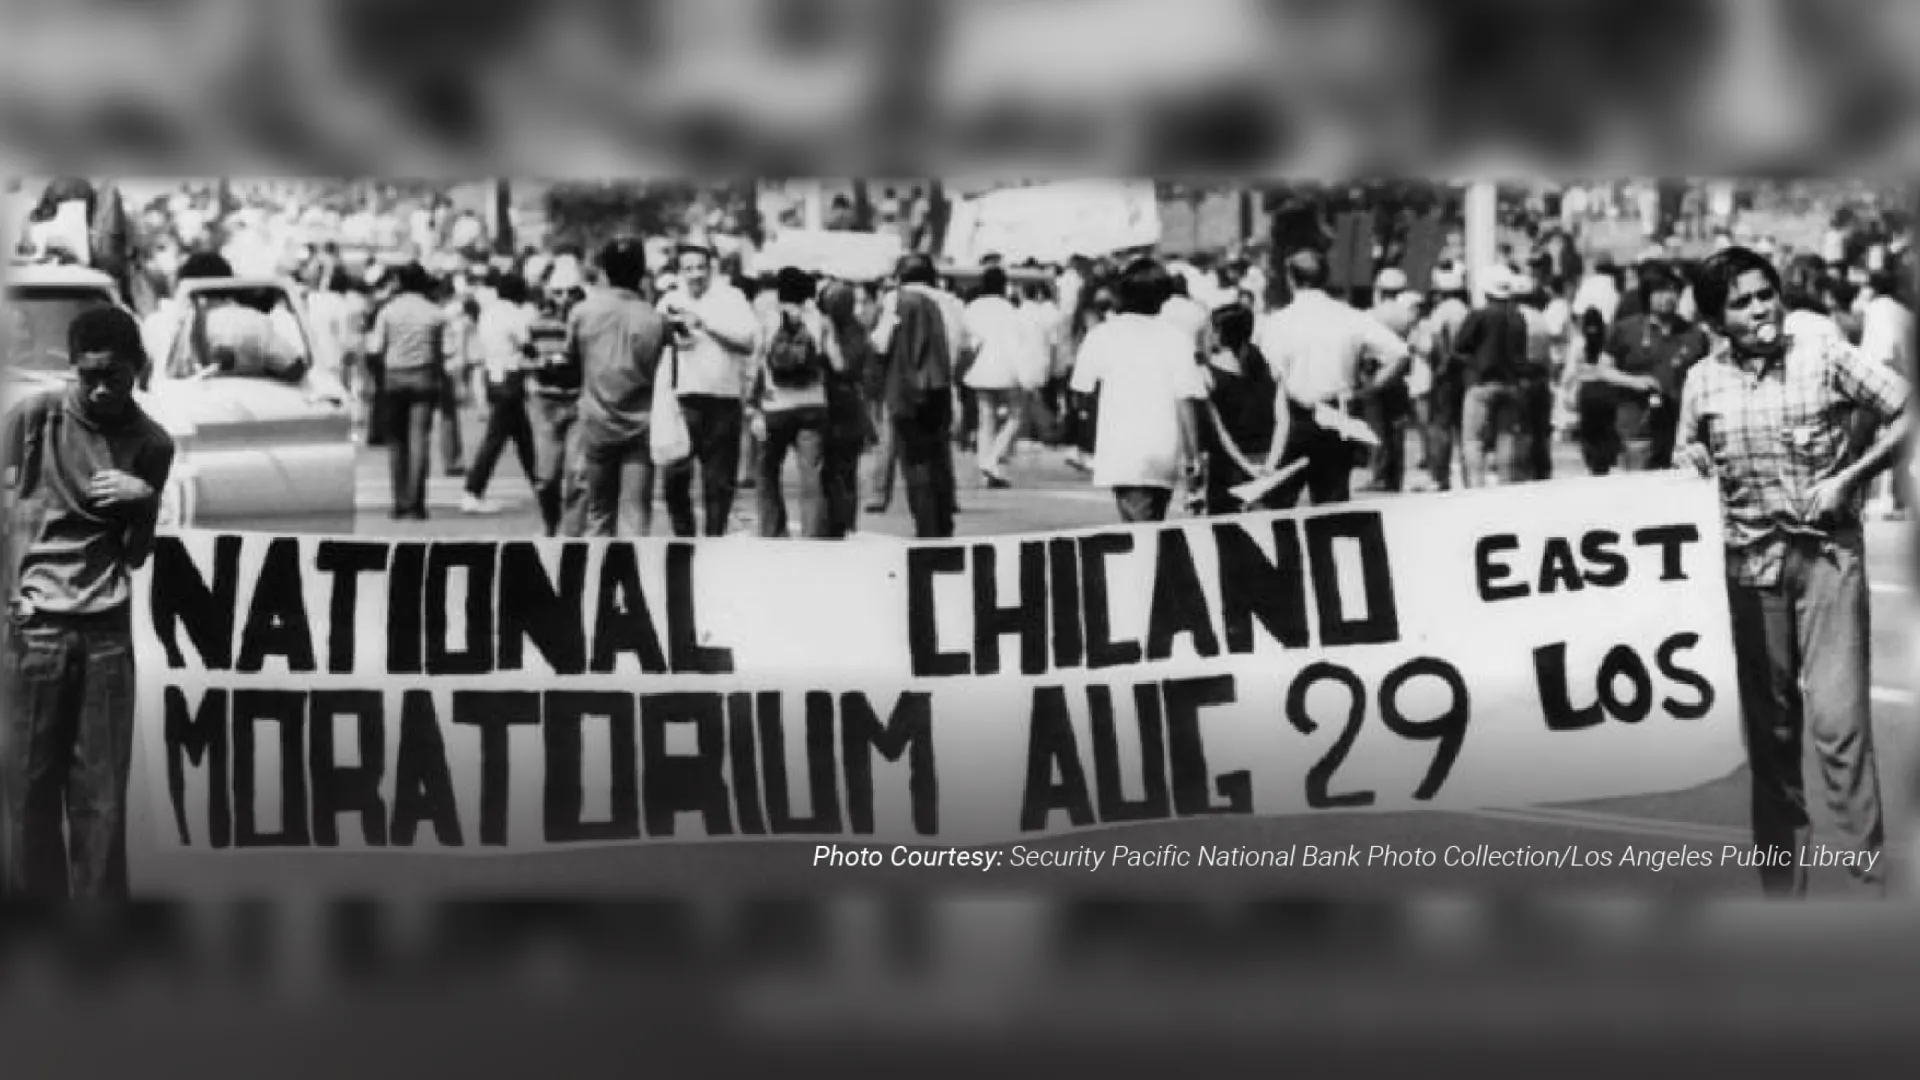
pixel 612 535
pixel 957 537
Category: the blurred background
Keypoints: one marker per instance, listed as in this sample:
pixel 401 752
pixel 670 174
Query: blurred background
pixel 873 87
pixel 1214 96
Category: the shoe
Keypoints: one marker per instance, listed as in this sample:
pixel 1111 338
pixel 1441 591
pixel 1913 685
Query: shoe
pixel 471 504
pixel 874 508
pixel 1078 465
pixel 456 471
pixel 994 482
pixel 418 515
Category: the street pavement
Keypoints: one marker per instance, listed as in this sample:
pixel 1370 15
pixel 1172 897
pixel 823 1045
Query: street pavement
pixel 1048 495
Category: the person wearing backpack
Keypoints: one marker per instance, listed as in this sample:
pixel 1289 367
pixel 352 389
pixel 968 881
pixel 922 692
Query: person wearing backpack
pixel 788 408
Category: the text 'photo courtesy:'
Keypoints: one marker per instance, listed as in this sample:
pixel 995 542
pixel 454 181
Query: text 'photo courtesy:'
pixel 1494 648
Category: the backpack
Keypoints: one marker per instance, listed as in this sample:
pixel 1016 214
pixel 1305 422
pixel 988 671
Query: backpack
pixel 794 357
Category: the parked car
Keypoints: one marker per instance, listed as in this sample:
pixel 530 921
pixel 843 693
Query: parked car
pixel 256 450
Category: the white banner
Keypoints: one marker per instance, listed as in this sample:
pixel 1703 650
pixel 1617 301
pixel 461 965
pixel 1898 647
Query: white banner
pixel 1054 222
pixel 1521 645
pixel 850 256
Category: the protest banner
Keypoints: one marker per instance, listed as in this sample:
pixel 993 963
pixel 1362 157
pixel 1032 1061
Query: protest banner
pixel 850 256
pixel 1053 222
pixel 1483 649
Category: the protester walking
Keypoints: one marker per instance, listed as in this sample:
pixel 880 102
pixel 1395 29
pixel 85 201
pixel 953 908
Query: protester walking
pixel 410 337
pixel 714 331
pixel 915 377
pixel 789 409
pixel 1152 395
pixel 504 337
pixel 618 340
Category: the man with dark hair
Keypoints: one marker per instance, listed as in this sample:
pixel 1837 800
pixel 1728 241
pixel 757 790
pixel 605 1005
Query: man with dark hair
pixel 1767 414
pixel 1320 350
pixel 1491 350
pixel 788 407
pixel 914 377
pixel 85 469
pixel 715 331
pixel 1644 365
pixel 1152 398
pixel 410 335
pixel 504 340
pixel 618 340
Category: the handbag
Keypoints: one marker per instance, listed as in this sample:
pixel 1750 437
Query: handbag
pixel 668 439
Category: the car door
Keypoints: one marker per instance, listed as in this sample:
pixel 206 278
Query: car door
pixel 266 454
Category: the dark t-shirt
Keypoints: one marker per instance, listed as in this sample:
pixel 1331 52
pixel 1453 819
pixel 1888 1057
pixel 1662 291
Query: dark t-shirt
pixel 1644 345
pixel 1245 401
pixel 1493 340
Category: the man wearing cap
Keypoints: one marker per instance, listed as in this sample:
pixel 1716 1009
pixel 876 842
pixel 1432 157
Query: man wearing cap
pixel 1443 379
pixel 1491 350
pixel 85 467
pixel 1316 347
pixel 1387 407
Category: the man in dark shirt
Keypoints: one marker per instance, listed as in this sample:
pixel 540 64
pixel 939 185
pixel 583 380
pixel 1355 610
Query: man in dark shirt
pixel 1644 365
pixel 1492 351
pixel 618 339
pixel 85 467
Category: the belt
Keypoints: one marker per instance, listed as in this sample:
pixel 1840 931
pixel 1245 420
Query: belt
pixel 21 612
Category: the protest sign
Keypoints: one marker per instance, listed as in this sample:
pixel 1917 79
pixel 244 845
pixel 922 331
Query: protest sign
pixel 1483 649
pixel 850 256
pixel 1054 222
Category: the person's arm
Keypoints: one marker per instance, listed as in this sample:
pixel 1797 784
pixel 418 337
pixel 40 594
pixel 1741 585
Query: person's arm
pixel 1388 348
pixel 1691 451
pixel 1884 392
pixel 154 471
pixel 1282 411
pixel 727 318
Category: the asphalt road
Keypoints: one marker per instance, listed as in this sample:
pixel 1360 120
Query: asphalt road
pixel 1047 496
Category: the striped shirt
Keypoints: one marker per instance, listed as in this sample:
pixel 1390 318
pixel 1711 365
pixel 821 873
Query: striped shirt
pixel 1769 431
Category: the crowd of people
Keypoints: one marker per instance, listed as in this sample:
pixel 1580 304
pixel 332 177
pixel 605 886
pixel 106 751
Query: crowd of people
pixel 1404 385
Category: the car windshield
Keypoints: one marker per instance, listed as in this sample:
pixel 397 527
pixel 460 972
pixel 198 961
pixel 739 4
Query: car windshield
pixel 240 333
pixel 37 320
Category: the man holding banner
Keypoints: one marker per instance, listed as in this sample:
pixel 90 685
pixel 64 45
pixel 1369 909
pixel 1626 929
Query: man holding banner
pixel 1767 414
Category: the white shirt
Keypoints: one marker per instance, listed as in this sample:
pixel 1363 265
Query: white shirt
pixel 503 334
pixel 1145 371
pixel 1597 293
pixel 706 366
pixel 1315 345
pixel 1005 341
pixel 1192 318
pixel 1886 333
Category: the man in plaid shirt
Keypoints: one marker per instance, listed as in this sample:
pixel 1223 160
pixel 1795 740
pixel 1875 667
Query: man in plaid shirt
pixel 1769 417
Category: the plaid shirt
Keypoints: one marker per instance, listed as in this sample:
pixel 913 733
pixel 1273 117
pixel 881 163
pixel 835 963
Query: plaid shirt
pixel 1769 431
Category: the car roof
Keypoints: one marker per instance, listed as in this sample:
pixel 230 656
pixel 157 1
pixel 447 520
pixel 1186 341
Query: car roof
pixel 58 275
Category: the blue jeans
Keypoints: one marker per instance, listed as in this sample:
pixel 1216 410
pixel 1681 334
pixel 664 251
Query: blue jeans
pixel 66 748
